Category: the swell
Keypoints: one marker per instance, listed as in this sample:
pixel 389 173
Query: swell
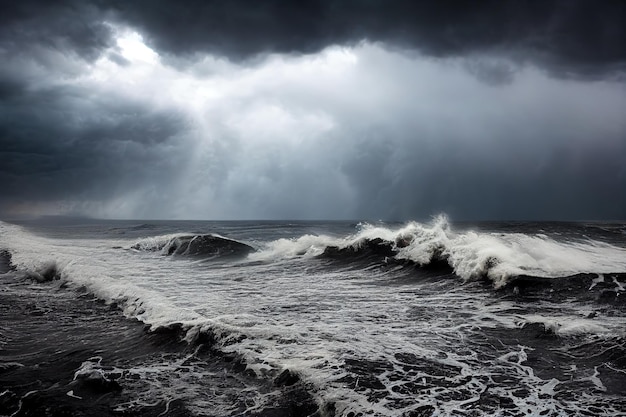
pixel 598 288
pixel 471 255
pixel 283 390
pixel 197 344
pixel 420 245
pixel 204 245
pixel 95 361
pixel 497 257
pixel 606 288
pixel 70 354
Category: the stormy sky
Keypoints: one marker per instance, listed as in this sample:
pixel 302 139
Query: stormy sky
pixel 277 109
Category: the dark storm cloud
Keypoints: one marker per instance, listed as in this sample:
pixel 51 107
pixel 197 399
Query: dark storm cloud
pixel 65 25
pixel 435 111
pixel 66 140
pixel 63 143
pixel 569 37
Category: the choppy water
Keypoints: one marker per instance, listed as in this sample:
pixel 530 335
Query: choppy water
pixel 324 318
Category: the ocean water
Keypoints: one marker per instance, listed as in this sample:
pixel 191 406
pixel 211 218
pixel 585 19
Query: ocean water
pixel 312 318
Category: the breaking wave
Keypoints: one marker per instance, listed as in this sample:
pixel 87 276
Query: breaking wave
pixel 286 318
pixel 499 257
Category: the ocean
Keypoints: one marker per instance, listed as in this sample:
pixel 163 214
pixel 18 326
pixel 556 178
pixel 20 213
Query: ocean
pixel 273 318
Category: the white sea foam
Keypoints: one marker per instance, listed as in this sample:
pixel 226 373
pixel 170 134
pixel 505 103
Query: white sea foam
pixel 155 243
pixel 306 246
pixel 103 270
pixel 572 326
pixel 281 313
pixel 471 254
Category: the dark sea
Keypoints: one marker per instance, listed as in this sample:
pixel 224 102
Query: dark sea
pixel 185 318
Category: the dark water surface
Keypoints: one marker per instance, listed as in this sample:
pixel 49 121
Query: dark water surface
pixel 312 318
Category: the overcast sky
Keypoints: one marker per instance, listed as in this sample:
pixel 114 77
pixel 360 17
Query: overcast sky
pixel 313 109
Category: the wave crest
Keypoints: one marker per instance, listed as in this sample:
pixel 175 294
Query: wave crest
pixel 193 245
pixel 498 257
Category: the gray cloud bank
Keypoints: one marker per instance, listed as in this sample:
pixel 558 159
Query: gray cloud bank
pixel 511 110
